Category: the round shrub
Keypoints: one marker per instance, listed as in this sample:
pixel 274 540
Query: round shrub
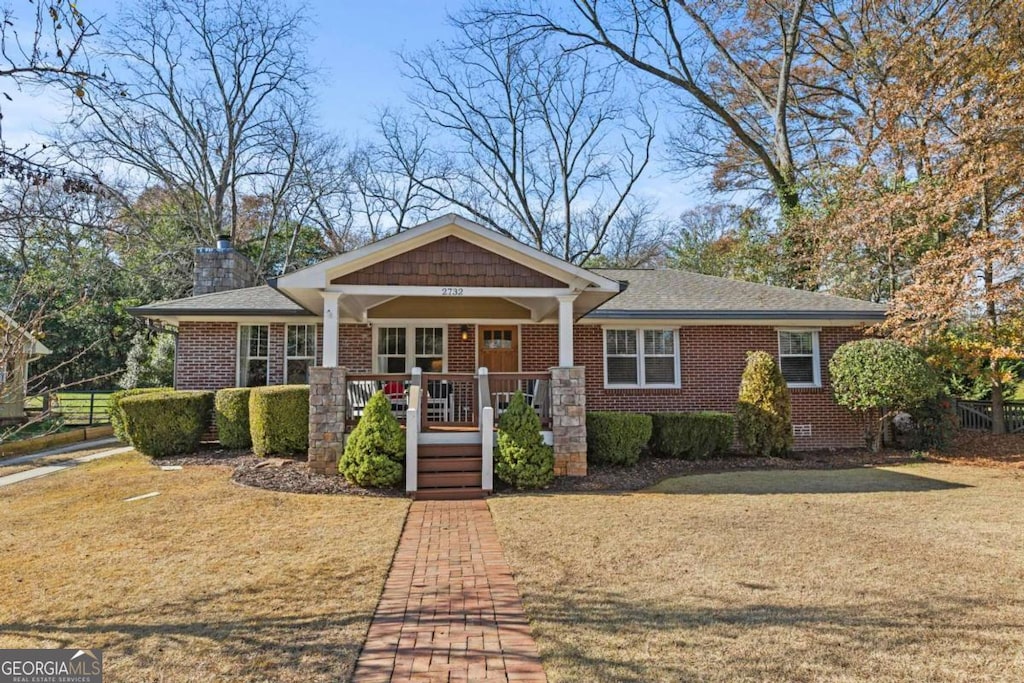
pixel 691 435
pixel 279 419
pixel 231 414
pixel 523 460
pixel 166 422
pixel 763 423
pixel 616 438
pixel 375 450
pixel 881 375
pixel 117 415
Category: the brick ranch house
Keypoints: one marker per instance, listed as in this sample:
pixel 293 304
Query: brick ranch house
pixel 450 318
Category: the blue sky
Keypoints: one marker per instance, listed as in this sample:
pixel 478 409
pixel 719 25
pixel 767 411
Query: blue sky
pixel 354 45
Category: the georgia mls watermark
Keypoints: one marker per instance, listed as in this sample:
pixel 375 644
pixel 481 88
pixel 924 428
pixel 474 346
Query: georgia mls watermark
pixel 51 666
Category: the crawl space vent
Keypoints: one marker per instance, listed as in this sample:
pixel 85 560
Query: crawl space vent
pixel 802 431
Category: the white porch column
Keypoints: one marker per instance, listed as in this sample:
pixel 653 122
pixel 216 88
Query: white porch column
pixel 330 351
pixel 565 331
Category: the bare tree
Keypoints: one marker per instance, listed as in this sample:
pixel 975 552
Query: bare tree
pixel 207 104
pixel 42 44
pixel 542 147
pixel 730 64
pixel 391 177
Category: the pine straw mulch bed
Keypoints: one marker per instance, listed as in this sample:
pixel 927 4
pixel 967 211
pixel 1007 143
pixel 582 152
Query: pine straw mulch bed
pixel 287 475
pixel 294 476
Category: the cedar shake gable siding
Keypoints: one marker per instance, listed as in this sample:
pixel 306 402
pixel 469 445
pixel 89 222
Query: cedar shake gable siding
pixel 448 261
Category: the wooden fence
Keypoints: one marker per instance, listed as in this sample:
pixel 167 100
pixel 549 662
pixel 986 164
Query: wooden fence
pixel 977 415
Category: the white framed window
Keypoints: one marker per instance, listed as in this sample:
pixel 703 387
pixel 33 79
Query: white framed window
pixel 647 358
pixel 400 349
pixel 253 355
pixel 799 358
pixel 299 353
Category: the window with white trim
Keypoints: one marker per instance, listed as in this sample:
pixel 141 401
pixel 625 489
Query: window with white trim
pixel 253 355
pixel 396 354
pixel 799 358
pixel 641 358
pixel 299 353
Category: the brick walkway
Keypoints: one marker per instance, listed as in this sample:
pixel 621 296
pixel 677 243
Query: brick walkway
pixel 450 610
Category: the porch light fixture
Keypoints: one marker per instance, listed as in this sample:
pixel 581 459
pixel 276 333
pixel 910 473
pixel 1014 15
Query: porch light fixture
pixel 464 332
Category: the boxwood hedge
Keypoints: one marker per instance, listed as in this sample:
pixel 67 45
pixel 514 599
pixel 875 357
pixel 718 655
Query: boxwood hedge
pixel 616 438
pixel 279 419
pixel 691 435
pixel 166 422
pixel 231 412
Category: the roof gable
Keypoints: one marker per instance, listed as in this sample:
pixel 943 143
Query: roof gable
pixel 565 274
pixel 447 260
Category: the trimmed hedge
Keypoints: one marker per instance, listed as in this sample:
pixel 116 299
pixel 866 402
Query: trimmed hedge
pixel 375 450
pixel 231 412
pixel 691 435
pixel 616 438
pixel 168 422
pixel 117 415
pixel 279 419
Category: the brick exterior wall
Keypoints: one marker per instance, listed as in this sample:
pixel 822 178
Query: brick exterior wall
pixel 712 359
pixel 205 355
pixel 461 354
pixel 355 348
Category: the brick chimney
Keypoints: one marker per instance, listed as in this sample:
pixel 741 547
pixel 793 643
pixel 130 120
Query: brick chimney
pixel 221 268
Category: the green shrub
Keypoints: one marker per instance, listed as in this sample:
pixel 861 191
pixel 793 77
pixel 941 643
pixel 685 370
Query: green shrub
pixel 231 413
pixel 117 415
pixel 279 419
pixel 375 450
pixel 934 425
pixel 763 424
pixel 881 375
pixel 166 422
pixel 523 460
pixel 616 438
pixel 691 435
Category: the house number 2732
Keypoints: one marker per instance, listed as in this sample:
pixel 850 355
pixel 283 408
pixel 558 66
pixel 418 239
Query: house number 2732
pixel 451 291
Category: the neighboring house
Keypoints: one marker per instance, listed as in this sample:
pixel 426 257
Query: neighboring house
pixel 450 297
pixel 18 348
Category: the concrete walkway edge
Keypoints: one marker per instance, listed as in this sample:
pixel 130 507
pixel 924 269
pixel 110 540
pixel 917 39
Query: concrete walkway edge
pixel 44 470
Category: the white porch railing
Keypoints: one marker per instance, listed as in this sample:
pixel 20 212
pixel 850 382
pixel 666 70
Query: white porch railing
pixel 412 431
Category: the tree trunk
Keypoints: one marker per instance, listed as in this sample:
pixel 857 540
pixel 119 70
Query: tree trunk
pixel 998 417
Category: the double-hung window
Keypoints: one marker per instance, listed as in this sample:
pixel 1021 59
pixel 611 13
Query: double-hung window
pixel 799 358
pixel 300 353
pixel 399 349
pixel 641 358
pixel 253 355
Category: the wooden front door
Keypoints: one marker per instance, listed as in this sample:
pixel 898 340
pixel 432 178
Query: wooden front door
pixel 499 348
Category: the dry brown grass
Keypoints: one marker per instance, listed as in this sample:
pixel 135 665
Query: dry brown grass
pixel 898 574
pixel 207 581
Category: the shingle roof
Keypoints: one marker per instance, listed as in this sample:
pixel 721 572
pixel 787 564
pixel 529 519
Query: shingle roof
pixel 658 294
pixel 262 300
pixel 682 294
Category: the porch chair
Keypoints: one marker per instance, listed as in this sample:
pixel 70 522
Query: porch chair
pixel 439 401
pixel 359 392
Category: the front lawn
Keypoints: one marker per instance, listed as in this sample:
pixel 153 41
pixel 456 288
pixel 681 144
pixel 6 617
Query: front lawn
pixel 907 573
pixel 207 581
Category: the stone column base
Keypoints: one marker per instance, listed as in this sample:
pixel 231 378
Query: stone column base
pixel 569 420
pixel 326 418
